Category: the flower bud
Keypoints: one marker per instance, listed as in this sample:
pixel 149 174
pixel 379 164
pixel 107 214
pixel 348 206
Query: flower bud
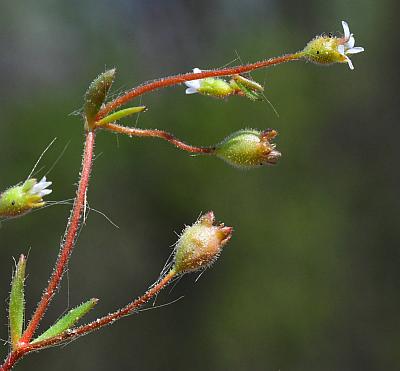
pixel 21 199
pixel 210 86
pixel 249 148
pixel 200 244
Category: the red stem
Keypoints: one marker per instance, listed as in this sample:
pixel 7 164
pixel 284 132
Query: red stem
pixel 12 359
pixel 92 326
pixel 157 134
pixel 178 79
pixel 69 240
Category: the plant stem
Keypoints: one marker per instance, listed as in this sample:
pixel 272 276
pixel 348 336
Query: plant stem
pixel 157 134
pixel 69 239
pixel 12 359
pixel 92 326
pixel 178 79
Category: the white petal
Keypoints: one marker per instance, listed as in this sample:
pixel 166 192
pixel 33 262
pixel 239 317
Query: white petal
pixel 350 43
pixel 195 84
pixel 346 30
pixel 191 91
pixel 350 63
pixel 357 49
pixel 40 187
pixel 340 49
pixel 45 192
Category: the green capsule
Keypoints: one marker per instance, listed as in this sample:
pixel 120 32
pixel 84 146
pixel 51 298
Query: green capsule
pixel 200 244
pixel 249 148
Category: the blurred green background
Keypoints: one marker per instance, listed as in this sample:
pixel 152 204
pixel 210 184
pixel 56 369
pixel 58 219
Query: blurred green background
pixel 310 280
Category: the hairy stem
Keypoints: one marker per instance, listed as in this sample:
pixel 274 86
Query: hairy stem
pixel 12 359
pixel 68 242
pixel 178 79
pixel 154 133
pixel 92 326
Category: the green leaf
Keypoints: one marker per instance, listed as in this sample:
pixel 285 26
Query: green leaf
pixel 17 302
pixel 120 114
pixel 251 94
pixel 97 94
pixel 66 322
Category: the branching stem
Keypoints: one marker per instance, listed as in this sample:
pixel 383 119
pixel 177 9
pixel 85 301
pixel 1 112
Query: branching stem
pixel 25 346
pixel 92 326
pixel 178 79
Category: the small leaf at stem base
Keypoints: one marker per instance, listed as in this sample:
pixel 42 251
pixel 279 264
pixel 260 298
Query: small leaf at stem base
pixel 66 322
pixel 120 114
pixel 17 302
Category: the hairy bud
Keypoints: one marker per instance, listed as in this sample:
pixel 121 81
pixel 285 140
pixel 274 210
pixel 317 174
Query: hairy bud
pixel 249 148
pixel 210 86
pixel 200 244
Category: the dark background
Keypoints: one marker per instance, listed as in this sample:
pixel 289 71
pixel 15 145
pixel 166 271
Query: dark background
pixel 310 280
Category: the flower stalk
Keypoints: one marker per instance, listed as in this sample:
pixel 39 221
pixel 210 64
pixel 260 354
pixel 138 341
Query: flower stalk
pixel 69 239
pixel 179 79
pixel 154 133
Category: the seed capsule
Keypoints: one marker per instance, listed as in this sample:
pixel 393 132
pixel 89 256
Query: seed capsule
pixel 249 148
pixel 200 244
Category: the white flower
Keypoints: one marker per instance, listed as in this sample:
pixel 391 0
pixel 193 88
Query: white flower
pixel 347 45
pixel 39 189
pixel 194 85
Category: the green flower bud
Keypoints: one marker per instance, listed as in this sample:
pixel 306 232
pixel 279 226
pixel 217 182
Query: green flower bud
pixel 200 244
pixel 249 148
pixel 328 49
pixel 21 199
pixel 211 86
pixel 96 95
